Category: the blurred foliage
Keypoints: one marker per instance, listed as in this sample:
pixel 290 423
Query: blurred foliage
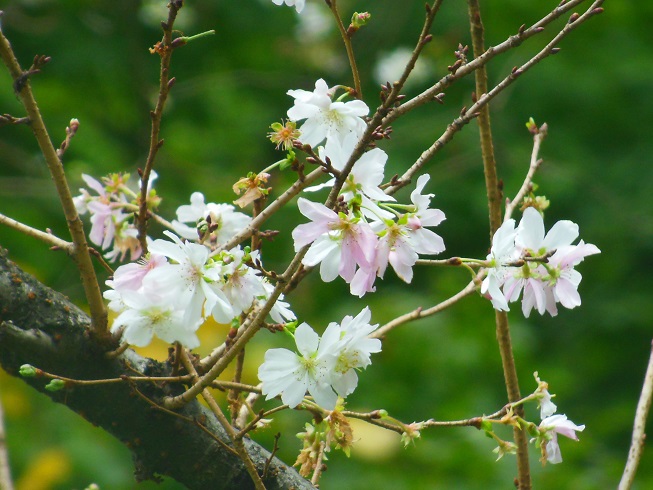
pixel 595 95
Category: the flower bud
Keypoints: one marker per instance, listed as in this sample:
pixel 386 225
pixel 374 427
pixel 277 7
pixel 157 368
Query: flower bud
pixel 28 371
pixel 55 385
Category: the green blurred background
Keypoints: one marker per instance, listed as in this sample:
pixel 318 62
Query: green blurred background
pixel 596 97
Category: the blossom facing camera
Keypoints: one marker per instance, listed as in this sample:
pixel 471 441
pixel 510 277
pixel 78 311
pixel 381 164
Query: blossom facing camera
pixel 324 367
pixel 325 118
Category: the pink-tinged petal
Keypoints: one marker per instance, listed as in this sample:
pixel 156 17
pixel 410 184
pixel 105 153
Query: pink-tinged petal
pixel 402 259
pixel 566 293
pixel 306 339
pixel 94 184
pixel 307 233
pixel 363 282
pixel 321 248
pixel 562 233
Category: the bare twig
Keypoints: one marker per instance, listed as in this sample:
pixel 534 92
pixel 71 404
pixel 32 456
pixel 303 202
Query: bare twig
pixel 318 464
pixel 164 48
pixel 45 237
pixel 512 42
pixel 80 253
pixel 468 114
pixel 217 411
pixel 639 435
pixel 421 313
pixel 346 39
pixel 534 165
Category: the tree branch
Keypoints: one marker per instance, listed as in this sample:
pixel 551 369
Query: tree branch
pixel 41 327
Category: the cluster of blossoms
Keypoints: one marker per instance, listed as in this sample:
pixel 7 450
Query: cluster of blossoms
pixel 325 367
pixel 523 258
pixel 552 424
pixel 370 231
pixel 112 210
pixel 179 284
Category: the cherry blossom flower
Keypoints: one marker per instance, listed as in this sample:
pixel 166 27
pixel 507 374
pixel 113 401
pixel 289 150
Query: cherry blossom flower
pixel 291 375
pixel 546 276
pixel 364 179
pixel 299 4
pixel 242 286
pixel 549 428
pixel 224 220
pixel 339 243
pixel 191 277
pixel 325 118
pixel 147 315
pixel 324 365
pixel 402 241
pixel 353 348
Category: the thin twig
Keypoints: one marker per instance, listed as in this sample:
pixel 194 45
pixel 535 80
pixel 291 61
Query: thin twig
pixel 164 48
pixel 346 39
pixel 80 253
pixel 422 313
pixel 318 464
pixel 45 237
pixel 466 69
pixel 217 411
pixel 639 435
pixel 534 165
pixel 469 114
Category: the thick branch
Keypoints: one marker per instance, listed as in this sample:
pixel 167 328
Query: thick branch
pixel 39 326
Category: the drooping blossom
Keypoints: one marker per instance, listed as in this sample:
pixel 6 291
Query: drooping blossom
pixel 324 117
pixel 549 429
